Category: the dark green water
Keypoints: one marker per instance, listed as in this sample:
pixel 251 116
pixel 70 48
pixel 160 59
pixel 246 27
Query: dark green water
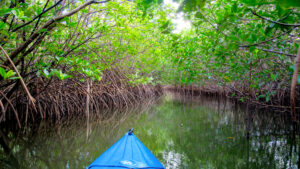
pixel 183 132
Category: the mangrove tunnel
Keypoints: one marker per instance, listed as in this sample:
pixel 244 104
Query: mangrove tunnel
pixel 204 83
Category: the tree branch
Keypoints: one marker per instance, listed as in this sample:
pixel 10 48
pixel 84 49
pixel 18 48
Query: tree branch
pixel 279 23
pixel 38 21
pixel 23 46
pixel 258 43
pixel 293 87
pixel 12 106
pixel 21 79
pixel 77 46
pixel 215 27
pixel 277 52
pixel 21 26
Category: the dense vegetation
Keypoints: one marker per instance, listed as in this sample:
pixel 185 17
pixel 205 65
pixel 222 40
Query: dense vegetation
pixel 61 48
pixel 59 54
pixel 247 46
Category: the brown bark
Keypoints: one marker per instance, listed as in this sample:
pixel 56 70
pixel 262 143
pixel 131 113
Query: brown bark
pixel 293 86
pixel 87 112
pixel 21 79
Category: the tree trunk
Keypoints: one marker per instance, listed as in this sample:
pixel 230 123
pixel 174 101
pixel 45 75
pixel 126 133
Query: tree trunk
pixel 87 110
pixel 293 87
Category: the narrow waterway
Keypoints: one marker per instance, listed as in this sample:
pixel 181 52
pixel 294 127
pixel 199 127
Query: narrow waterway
pixel 183 132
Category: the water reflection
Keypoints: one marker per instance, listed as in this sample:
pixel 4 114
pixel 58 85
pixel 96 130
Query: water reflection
pixel 183 132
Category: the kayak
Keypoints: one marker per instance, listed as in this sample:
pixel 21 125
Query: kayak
pixel 129 152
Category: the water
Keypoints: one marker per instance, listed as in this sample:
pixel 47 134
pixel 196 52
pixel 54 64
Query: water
pixel 183 132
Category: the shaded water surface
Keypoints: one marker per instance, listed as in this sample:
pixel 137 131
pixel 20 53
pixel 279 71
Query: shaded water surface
pixel 183 132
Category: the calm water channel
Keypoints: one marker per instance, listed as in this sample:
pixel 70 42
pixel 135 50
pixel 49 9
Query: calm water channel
pixel 183 132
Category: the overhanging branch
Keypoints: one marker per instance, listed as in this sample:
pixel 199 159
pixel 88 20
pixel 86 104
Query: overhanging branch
pixel 38 16
pixel 269 20
pixel 23 46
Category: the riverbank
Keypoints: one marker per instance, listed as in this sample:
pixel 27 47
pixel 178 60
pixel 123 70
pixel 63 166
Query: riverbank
pixel 58 99
pixel 280 99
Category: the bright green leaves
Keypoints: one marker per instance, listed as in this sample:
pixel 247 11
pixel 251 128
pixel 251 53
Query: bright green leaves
pixel 166 27
pixel 59 74
pixel 234 7
pixel 4 34
pixel 250 2
pixel 46 73
pixel 191 5
pixel 267 96
pixel 18 13
pixel 53 73
pixel 274 77
pixel 7 75
pixel 289 3
pixel 137 39
pixel 2 25
pixel 93 73
pixel 82 66
pixel 98 39
pixel 147 5
pixel 230 46
pixel 181 65
pixel 4 11
pixel 136 79
pixel 71 24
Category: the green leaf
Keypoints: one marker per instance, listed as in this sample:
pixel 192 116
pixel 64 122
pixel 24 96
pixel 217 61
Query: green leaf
pixel 252 48
pixel 14 78
pixel 227 79
pixel 268 98
pixel 234 7
pixel 45 71
pixel 2 25
pixel 253 38
pixel 242 99
pixel 273 77
pixel 5 74
pixel 43 30
pixel 296 45
pixel 5 11
pixel 14 12
pixel 9 74
pixel 289 3
pixel 250 2
pixel 270 28
pixel 2 72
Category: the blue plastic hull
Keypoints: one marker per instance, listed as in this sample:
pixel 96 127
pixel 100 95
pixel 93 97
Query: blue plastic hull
pixel 127 153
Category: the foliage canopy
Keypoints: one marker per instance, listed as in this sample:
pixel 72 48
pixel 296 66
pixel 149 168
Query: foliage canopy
pixel 244 45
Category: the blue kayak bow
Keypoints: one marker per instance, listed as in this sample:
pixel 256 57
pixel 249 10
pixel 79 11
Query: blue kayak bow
pixel 127 153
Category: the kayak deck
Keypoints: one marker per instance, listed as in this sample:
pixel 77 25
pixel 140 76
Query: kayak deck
pixel 127 153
